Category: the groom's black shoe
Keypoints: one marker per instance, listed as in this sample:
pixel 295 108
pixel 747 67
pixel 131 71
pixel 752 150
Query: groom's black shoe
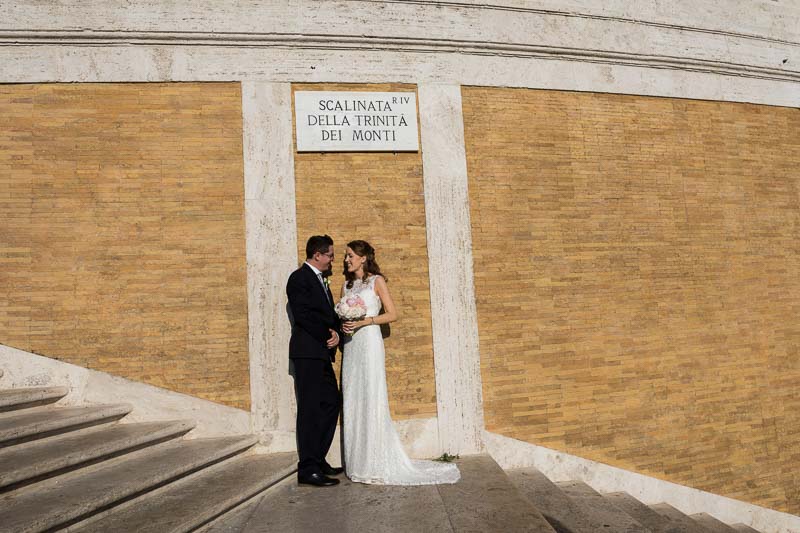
pixel 317 479
pixel 329 470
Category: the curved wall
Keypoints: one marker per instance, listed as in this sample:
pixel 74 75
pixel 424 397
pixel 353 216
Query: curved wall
pixel 703 50
pixel 636 265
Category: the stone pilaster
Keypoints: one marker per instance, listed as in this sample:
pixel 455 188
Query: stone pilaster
pixel 271 227
pixel 454 321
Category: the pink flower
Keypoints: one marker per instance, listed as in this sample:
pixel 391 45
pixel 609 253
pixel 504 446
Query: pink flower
pixel 351 308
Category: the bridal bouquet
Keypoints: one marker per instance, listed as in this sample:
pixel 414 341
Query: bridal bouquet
pixel 351 308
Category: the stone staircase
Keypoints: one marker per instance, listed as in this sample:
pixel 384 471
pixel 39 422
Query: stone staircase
pixel 487 499
pixel 83 469
pixel 575 507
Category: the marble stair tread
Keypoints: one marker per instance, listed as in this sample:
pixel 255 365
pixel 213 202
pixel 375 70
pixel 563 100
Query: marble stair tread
pixel 559 510
pixel 236 520
pixel 190 502
pixel 40 422
pixel 650 519
pixel 63 500
pixel 744 528
pixel 605 515
pixel 53 455
pixel 485 499
pixel 711 523
pixel 347 507
pixel 679 518
pixel 14 399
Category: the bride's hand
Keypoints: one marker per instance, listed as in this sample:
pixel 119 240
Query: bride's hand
pixel 350 326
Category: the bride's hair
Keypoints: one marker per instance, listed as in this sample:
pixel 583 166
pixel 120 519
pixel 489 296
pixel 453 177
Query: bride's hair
pixel 363 249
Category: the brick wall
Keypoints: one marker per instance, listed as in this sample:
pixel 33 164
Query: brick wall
pixel 636 271
pixel 378 197
pixel 122 239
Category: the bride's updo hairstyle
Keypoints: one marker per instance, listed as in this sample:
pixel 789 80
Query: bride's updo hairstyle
pixel 371 268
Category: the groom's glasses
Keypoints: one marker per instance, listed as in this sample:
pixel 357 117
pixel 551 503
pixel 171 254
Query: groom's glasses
pixel 329 254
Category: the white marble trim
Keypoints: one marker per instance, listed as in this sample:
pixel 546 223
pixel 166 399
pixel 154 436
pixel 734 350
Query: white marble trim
pixel 271 230
pixel 45 64
pixel 404 44
pixel 453 314
pixel 87 387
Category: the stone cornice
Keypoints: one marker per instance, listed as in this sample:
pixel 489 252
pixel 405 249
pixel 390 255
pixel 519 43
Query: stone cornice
pixel 393 44
pixel 745 51
pixel 757 20
pixel 594 16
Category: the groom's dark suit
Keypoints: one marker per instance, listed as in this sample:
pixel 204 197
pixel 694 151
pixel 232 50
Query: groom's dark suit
pixel 318 400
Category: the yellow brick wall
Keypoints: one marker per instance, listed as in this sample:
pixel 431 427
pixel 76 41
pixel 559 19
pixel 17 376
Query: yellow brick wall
pixel 377 197
pixel 637 271
pixel 122 239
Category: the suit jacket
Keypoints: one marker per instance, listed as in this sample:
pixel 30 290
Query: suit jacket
pixel 312 316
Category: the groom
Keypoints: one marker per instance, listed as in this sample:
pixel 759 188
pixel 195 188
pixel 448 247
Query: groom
pixel 312 349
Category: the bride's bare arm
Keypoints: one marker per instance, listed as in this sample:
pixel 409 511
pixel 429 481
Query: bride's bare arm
pixel 389 310
pixel 389 314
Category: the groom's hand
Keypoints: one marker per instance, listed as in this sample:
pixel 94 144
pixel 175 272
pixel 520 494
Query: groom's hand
pixel 334 340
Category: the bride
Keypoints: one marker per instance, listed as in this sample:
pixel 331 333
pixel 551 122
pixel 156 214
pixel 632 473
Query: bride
pixel 372 449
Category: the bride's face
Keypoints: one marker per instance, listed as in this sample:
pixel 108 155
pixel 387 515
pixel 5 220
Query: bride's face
pixel 353 261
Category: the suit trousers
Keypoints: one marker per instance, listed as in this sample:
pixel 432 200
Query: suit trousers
pixel 318 406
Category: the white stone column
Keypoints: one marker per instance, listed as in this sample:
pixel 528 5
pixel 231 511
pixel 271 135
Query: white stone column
pixel 271 228
pixel 454 320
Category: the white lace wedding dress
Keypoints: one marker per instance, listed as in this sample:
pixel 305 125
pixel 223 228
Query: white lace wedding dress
pixel 372 449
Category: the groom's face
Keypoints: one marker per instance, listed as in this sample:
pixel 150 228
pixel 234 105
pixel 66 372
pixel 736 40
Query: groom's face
pixel 324 260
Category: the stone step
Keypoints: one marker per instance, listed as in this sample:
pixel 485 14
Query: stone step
pixel 64 500
pixel 486 500
pixel 41 422
pixel 347 507
pixel 237 520
pixel 11 400
pixel 711 523
pixel 483 500
pixel 43 458
pixel 559 510
pixel 744 528
pixel 196 499
pixel 678 517
pixel 605 515
pixel 643 514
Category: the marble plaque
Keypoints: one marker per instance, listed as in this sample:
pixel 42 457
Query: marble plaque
pixel 340 121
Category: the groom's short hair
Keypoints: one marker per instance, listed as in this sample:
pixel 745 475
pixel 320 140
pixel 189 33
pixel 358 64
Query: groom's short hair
pixel 318 243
